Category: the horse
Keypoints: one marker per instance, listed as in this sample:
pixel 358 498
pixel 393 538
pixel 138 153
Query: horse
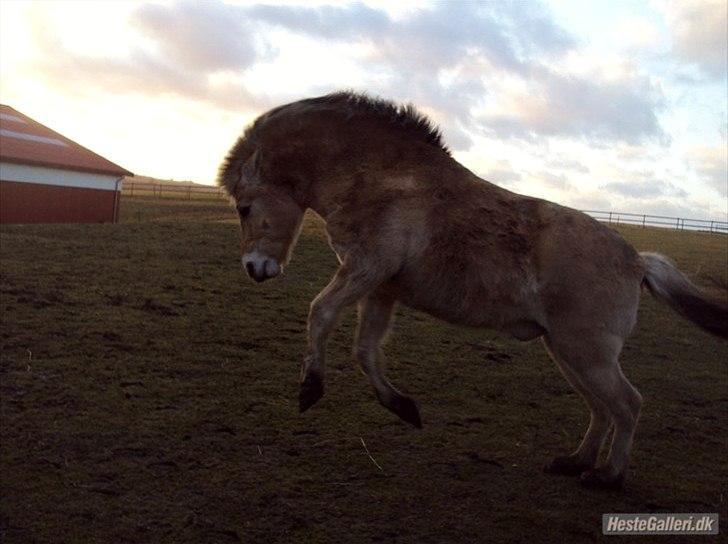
pixel 410 225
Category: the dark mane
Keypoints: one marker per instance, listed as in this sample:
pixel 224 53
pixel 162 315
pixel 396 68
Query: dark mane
pixel 403 117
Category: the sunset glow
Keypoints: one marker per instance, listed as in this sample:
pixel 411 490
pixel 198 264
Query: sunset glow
pixel 608 106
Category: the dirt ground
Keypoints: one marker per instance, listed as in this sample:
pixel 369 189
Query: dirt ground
pixel 149 394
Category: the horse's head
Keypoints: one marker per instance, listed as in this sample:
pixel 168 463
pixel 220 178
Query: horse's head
pixel 270 220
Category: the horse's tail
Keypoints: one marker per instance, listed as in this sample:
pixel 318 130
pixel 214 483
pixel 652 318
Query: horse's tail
pixel 671 286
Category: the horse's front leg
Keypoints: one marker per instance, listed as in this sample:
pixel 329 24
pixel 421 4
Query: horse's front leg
pixel 346 287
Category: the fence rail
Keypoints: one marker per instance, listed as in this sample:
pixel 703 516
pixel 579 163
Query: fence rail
pixel 173 191
pixel 647 220
pixel 197 192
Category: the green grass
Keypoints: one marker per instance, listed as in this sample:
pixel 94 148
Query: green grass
pixel 149 394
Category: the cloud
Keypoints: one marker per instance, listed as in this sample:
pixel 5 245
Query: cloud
pixel 711 164
pixel 432 38
pixel 449 59
pixel 353 22
pixel 589 201
pixel 184 55
pixel 645 189
pixel 205 37
pixel 474 46
pixel 501 173
pixel 568 164
pixel 553 181
pixel 466 42
pixel 699 34
pixel 569 106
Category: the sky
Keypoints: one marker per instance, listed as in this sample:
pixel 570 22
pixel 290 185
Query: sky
pixel 614 106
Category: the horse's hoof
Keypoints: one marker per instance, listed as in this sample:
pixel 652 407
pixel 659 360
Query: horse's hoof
pixel 406 409
pixel 601 478
pixel 566 466
pixel 312 389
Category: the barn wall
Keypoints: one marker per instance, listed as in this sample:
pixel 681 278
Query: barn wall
pixel 27 173
pixel 22 202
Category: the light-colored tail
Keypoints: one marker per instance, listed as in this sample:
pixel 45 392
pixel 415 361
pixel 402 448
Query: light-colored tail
pixel 671 286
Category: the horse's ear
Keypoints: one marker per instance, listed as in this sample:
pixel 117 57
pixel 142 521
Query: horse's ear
pixel 251 168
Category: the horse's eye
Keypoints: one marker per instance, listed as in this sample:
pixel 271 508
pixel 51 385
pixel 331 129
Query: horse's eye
pixel 244 211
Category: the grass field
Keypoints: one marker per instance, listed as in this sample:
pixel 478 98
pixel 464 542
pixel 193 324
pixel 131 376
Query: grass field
pixel 149 394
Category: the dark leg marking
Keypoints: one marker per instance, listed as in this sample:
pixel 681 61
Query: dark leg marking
pixel 312 389
pixel 601 478
pixel 404 407
pixel 567 466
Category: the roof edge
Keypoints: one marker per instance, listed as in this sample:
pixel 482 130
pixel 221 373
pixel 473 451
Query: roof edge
pixel 120 172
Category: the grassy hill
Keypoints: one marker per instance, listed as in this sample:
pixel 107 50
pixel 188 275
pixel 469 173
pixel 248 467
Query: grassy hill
pixel 148 393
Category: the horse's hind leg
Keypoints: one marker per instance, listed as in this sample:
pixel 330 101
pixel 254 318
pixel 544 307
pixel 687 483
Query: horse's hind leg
pixel 585 456
pixel 375 314
pixel 592 360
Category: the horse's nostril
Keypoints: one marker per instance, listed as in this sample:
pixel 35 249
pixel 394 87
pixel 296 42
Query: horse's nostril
pixel 250 268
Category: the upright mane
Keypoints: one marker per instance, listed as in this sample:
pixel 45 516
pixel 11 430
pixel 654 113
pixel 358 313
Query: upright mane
pixel 403 117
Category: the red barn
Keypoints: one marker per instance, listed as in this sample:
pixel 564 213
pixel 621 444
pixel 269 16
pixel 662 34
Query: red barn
pixel 47 178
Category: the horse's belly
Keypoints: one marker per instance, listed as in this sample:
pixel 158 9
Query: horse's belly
pixel 472 308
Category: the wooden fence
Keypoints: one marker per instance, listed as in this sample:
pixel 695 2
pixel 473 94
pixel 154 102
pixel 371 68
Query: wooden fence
pixel 200 192
pixel 173 191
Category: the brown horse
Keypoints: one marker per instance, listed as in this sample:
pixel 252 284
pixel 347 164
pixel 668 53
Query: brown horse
pixel 411 225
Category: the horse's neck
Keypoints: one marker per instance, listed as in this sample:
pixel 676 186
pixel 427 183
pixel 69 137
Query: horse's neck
pixel 327 202
pixel 328 195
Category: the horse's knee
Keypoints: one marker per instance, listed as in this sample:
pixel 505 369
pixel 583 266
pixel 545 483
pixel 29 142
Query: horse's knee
pixel 319 314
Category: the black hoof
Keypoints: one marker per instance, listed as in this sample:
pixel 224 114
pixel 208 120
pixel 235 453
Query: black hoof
pixel 566 466
pixel 406 409
pixel 600 478
pixel 312 389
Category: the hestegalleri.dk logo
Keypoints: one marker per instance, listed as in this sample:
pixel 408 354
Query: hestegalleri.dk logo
pixel 660 524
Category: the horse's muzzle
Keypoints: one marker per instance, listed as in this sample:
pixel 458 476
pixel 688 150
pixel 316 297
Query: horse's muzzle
pixel 259 267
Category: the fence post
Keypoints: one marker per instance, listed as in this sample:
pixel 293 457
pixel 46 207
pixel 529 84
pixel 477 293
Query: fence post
pixel 644 218
pixel 677 224
pixel 610 218
pixel 711 227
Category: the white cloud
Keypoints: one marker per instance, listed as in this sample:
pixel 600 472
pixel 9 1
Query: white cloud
pixel 699 34
pixel 711 164
pixel 452 59
pixel 644 189
pixel 554 104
